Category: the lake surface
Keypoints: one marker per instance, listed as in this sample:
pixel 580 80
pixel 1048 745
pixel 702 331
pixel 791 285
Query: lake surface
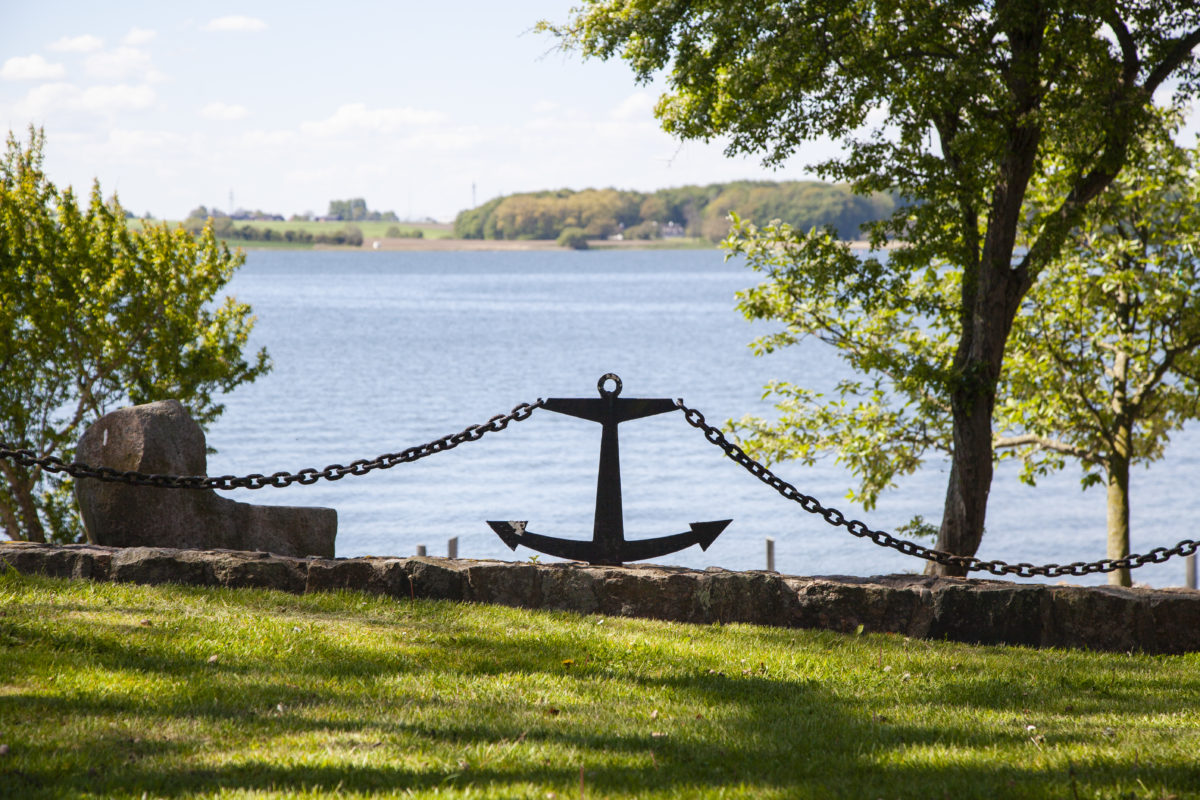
pixel 376 352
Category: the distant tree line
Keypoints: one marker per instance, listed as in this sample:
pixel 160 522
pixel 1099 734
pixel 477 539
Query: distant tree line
pixel 696 211
pixel 355 210
pixel 225 228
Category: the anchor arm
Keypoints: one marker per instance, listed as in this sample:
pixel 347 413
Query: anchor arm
pixel 603 409
pixel 514 533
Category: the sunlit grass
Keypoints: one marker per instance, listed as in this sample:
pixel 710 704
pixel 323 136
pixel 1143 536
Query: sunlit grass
pixel 126 691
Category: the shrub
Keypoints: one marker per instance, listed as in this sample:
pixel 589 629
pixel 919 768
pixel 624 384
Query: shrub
pixel 574 238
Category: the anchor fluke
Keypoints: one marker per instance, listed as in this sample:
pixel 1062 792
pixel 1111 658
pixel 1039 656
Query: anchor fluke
pixel 707 532
pixel 509 532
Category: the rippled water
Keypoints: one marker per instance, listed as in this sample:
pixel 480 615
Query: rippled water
pixel 375 352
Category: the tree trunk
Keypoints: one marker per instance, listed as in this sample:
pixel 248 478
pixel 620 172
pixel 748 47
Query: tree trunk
pixel 11 527
pixel 969 485
pixel 1121 451
pixel 1118 513
pixel 20 517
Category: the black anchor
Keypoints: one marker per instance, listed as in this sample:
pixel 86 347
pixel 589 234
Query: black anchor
pixel 608 545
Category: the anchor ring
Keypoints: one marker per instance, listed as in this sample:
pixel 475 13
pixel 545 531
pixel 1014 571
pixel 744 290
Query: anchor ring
pixel 600 385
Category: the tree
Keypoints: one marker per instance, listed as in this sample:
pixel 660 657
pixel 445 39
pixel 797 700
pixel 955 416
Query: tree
pixel 351 210
pixel 1101 367
pixel 93 315
pixel 955 106
pixel 1106 363
pixel 574 238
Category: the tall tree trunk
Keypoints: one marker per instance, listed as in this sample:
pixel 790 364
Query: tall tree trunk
pixel 969 485
pixel 992 290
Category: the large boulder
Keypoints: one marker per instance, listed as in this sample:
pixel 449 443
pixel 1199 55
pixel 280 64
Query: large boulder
pixel 162 438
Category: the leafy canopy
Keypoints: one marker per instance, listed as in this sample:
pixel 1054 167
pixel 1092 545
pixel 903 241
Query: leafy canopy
pixel 93 315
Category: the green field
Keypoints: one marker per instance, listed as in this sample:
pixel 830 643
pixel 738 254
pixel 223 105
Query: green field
pixel 119 691
pixel 371 230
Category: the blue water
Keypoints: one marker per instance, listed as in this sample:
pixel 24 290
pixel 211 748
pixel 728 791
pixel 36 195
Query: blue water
pixel 375 352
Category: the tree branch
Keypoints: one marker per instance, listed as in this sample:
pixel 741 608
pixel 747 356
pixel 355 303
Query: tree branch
pixel 1044 443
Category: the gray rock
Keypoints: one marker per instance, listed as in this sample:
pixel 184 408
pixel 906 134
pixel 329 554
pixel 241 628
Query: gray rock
pixel 162 438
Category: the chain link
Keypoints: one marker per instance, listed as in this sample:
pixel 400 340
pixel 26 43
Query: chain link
pixel 969 563
pixel 473 433
pixel 305 477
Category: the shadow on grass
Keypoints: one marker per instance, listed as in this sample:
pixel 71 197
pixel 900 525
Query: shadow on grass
pixel 349 717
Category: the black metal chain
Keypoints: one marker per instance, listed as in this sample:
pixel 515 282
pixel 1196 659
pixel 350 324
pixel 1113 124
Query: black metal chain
pixel 305 477
pixel 521 412
pixel 969 563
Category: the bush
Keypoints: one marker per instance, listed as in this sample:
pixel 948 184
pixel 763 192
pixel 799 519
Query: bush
pixel 574 238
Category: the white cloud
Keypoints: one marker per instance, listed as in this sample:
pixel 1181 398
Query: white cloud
pixel 356 118
pixel 117 97
pixel 638 106
pixel 123 62
pixel 268 140
pixel 85 43
pixel 139 36
pixel 223 111
pixel 31 68
pixel 58 97
pixel 237 24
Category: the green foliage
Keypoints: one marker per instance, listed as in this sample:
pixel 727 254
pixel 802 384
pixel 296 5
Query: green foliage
pixel 1101 367
pixel 93 315
pixel 700 211
pixel 1105 363
pixel 355 210
pixel 396 232
pixel 1112 331
pixel 349 235
pixel 895 330
pixel 124 691
pixel 574 238
pixel 955 107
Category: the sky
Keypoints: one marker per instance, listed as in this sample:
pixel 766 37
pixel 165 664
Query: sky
pixel 420 108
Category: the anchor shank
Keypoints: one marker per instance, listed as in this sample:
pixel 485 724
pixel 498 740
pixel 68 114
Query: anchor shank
pixel 608 532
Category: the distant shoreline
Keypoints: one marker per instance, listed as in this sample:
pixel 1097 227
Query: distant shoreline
pixel 413 245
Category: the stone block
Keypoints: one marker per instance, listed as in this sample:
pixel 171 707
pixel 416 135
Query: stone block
pixel 162 438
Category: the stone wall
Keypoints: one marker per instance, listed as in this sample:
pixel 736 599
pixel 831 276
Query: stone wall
pixel 966 610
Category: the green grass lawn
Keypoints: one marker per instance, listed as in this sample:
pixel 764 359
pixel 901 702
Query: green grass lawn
pixel 130 692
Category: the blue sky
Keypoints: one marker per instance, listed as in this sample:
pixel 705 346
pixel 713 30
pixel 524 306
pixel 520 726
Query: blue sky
pixel 288 105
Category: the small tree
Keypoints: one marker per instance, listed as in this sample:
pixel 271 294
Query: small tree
pixel 1107 363
pixel 93 315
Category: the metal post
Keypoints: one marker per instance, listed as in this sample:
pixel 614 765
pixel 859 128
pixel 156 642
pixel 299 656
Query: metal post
pixel 1190 562
pixel 770 554
pixel 452 547
pixel 420 549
